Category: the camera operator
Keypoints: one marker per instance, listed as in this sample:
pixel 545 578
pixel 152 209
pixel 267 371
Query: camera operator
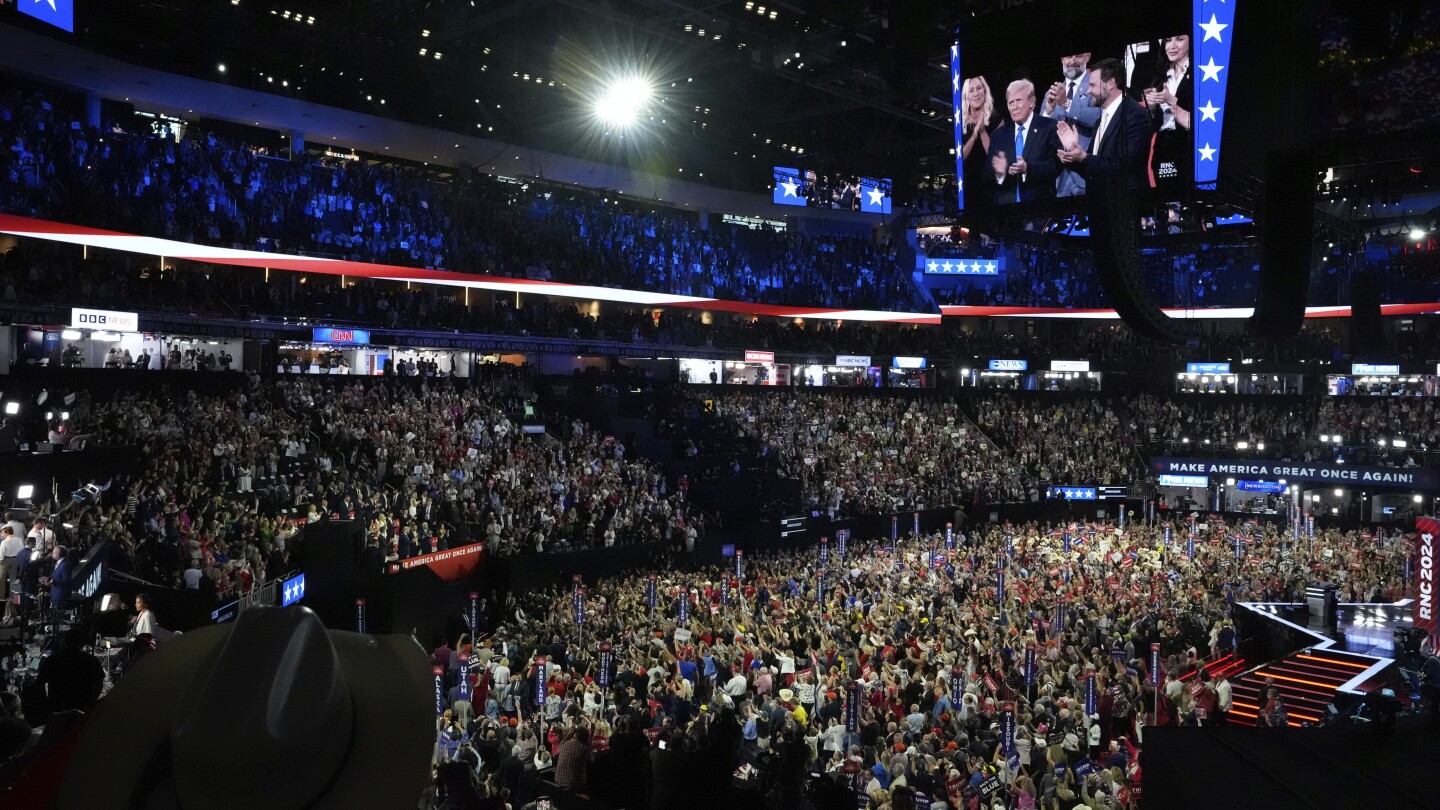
pixel 11 547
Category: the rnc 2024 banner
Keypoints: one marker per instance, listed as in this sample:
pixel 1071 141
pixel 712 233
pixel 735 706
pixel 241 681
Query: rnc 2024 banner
pixel 1427 535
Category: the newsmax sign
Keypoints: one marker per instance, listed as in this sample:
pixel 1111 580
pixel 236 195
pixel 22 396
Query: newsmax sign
pixel 1328 473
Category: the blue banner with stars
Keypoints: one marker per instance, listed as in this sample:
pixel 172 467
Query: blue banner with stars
pixel 961 266
pixel 292 590
pixel 957 98
pixel 1214 27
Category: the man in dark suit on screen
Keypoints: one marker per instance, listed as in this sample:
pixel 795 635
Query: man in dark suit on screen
pixel 1022 150
pixel 1122 137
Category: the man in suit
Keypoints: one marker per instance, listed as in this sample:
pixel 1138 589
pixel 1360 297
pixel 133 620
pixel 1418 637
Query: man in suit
pixel 1021 150
pixel 1069 101
pixel 1122 136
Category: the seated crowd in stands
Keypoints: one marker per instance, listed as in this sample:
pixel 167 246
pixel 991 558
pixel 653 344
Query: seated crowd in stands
pixel 202 189
pixel 227 479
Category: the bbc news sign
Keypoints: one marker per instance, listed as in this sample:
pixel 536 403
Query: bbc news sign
pixel 105 319
pixel 1332 473
pixel 331 334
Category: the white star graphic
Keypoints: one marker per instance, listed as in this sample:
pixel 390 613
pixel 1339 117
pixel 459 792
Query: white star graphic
pixel 877 197
pixel 960 184
pixel 1212 29
pixel 790 186
pixel 931 266
pixel 989 268
pixel 1207 153
pixel 955 83
pixel 954 51
pixel 957 123
pixel 1211 72
pixel 946 266
pixel 1207 113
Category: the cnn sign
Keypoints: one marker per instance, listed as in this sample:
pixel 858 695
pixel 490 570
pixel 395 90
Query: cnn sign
pixel 105 319
pixel 334 334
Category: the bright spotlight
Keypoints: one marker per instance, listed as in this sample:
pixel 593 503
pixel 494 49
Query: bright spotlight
pixel 622 100
pixel 24 492
pixel 1416 234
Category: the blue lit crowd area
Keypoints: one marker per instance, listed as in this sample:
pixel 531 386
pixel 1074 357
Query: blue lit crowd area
pixel 547 406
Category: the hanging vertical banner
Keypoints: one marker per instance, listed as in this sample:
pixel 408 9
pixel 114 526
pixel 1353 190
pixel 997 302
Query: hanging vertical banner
pixel 1092 700
pixel 1030 664
pixel 820 587
pixel 1190 546
pixel 579 599
pixel 1065 541
pixel 439 673
pixel 824 551
pixel 463 692
pixel 958 88
pixel 852 707
pixel 684 604
pixel 957 683
pixel 541 687
pixel 1009 545
pixel 474 616
pixel 949 535
pixel 360 615
pixel 1309 525
pixel 916 531
pixel 1059 618
pixel 607 663
pixel 842 536
pixel 894 528
pixel 1154 663
pixel 1167 537
pixel 739 565
pixel 1239 546
pixel 1294 522
pixel 725 591
pixel 1427 572
pixel 650 591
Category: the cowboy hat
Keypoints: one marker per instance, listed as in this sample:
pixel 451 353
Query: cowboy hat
pixel 350 707
pixel 787 695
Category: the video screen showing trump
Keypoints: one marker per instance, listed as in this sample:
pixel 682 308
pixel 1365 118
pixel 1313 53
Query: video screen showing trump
pixel 1038 132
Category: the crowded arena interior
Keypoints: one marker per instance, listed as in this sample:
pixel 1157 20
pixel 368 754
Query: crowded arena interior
pixel 572 405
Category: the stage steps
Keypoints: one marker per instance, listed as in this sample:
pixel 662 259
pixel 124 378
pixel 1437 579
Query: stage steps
pixel 1307 680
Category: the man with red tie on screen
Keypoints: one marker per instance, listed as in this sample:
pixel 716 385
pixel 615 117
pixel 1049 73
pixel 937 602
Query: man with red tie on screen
pixel 1021 151
pixel 1122 137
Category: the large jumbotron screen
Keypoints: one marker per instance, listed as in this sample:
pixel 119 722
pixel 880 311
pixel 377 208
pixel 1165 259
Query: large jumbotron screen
pixel 1174 64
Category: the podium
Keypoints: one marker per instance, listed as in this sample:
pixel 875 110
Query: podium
pixel 1322 602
